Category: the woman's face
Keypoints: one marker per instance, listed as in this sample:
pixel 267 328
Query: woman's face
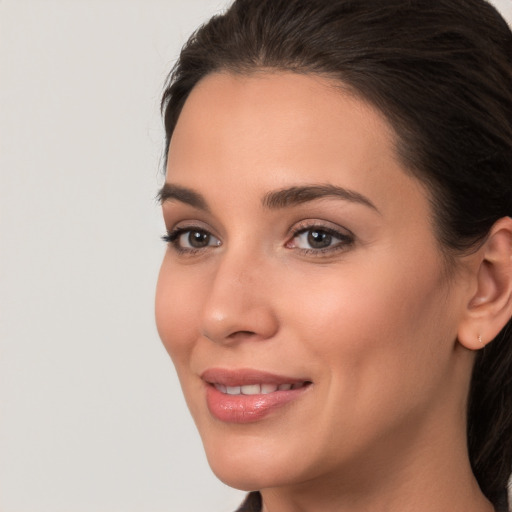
pixel 303 297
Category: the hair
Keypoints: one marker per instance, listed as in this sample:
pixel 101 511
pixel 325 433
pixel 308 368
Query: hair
pixel 440 71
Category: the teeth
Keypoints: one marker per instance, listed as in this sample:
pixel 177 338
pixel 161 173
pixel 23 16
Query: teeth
pixel 256 389
pixel 252 389
pixel 268 388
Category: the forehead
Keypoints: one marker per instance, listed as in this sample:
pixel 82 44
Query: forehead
pixel 277 115
pixel 272 129
pixel 275 99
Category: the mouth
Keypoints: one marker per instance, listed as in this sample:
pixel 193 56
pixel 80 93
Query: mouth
pixel 247 396
pixel 258 389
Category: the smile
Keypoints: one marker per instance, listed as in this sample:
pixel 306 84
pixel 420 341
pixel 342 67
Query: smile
pixel 248 395
pixel 257 389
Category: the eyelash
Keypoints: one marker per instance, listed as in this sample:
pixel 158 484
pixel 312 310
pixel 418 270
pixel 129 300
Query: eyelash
pixel 172 238
pixel 345 240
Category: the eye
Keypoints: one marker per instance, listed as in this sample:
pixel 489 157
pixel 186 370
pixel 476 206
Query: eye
pixel 191 239
pixel 316 239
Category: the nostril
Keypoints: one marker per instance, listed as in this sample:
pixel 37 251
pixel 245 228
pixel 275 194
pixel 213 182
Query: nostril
pixel 234 336
pixel 241 333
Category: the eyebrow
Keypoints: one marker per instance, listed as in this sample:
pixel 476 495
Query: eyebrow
pixel 183 194
pixel 297 195
pixel 274 200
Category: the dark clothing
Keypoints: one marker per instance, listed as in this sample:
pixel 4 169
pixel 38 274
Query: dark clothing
pixel 252 503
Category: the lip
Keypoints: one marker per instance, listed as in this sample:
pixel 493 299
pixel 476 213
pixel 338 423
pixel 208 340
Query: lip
pixel 242 408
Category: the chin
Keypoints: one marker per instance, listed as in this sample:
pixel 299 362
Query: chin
pixel 250 468
pixel 249 478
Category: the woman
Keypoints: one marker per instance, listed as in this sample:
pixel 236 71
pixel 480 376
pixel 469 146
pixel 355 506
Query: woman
pixel 337 288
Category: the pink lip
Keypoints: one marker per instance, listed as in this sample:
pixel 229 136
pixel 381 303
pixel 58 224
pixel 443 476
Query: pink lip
pixel 247 408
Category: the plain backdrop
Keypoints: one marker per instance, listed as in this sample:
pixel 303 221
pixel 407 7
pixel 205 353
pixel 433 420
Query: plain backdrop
pixel 91 414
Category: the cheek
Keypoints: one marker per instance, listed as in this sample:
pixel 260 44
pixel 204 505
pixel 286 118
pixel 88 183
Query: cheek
pixel 374 339
pixel 176 312
pixel 375 321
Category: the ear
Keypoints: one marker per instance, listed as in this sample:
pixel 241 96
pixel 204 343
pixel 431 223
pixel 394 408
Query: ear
pixel 490 307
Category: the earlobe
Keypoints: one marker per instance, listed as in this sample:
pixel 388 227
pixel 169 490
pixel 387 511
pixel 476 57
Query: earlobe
pixel 490 307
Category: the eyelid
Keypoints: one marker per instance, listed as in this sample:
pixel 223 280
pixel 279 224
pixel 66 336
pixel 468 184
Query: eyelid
pixel 345 236
pixel 324 225
pixel 173 235
pixel 177 232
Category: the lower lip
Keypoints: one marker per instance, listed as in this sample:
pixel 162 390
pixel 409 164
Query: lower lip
pixel 248 408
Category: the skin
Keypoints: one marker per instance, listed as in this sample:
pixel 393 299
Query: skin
pixel 372 321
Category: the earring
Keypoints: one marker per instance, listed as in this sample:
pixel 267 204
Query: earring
pixel 480 340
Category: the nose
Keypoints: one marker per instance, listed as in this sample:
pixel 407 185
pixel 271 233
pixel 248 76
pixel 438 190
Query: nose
pixel 239 305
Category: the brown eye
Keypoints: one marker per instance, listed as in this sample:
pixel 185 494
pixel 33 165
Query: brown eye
pixel 194 239
pixel 191 239
pixel 197 239
pixel 318 239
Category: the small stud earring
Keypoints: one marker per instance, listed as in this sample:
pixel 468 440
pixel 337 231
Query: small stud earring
pixel 480 340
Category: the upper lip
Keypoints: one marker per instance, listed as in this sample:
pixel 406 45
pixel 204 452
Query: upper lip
pixel 246 376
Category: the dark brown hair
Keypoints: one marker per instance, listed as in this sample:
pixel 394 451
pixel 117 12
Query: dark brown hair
pixel 441 73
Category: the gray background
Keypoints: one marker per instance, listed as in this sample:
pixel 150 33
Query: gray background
pixel 91 415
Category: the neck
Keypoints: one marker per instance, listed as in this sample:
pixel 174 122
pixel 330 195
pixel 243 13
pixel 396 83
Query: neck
pixel 421 492
pixel 428 473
